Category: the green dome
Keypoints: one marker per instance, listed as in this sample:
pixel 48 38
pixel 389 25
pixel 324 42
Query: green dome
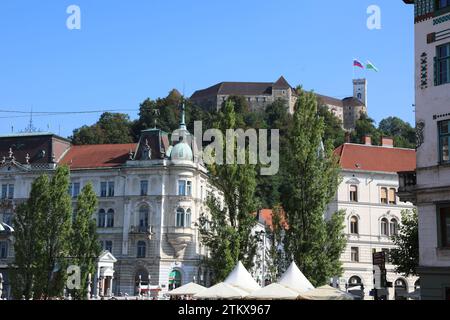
pixel 181 152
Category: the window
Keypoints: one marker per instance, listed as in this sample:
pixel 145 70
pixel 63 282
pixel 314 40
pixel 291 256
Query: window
pixel 444 141
pixel 141 249
pixel 3 249
pixel 354 225
pixel 393 228
pixel 445 227
pixel 384 195
pixel 384 227
pixel 442 4
pixel 354 281
pixel 74 189
pixel 189 188
pixel 180 218
pixel 355 254
pixel 103 187
pixel 110 219
pixel 7 191
pixel 144 188
pixel 111 189
pixel 187 222
pixel 106 245
pixel 143 217
pixel 7 218
pixel 181 187
pixel 392 196
pixel 101 218
pixel 442 64
pixel 353 193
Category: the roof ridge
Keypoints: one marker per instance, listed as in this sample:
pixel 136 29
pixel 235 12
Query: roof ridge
pixel 374 146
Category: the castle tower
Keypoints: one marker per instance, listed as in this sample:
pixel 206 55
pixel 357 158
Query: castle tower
pixel 360 90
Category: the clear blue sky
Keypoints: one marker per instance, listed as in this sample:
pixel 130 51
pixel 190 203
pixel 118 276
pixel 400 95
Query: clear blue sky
pixel 127 51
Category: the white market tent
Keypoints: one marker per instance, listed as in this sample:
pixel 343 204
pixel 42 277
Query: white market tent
pixel 242 279
pixel 295 280
pixel 221 291
pixel 189 289
pixel 274 291
pixel 326 293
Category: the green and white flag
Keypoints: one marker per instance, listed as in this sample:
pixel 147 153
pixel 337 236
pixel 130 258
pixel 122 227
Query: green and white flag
pixel 371 66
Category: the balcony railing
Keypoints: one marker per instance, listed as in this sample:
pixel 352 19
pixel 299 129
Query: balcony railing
pixel 407 186
pixel 141 230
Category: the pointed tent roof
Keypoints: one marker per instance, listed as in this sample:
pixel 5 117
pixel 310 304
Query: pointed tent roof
pixel 189 289
pixel 242 279
pixel 275 291
pixel 294 279
pixel 281 84
pixel 221 291
pixel 326 293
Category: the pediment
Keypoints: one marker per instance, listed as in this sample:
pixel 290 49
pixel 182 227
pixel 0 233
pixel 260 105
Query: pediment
pixel 107 256
pixel 11 166
pixel 353 181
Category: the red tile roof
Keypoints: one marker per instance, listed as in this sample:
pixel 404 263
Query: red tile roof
pixel 374 158
pixel 98 156
pixel 265 215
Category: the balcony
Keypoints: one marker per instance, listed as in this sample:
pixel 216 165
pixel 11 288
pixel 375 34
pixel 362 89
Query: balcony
pixel 407 186
pixel 146 231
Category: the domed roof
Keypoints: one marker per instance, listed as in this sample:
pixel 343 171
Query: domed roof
pixel 181 152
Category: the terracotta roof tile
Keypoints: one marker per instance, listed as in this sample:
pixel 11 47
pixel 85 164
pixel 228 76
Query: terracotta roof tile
pixel 98 156
pixel 374 158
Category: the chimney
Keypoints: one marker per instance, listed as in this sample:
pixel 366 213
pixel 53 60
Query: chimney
pixel 367 140
pixel 387 142
pixel 347 137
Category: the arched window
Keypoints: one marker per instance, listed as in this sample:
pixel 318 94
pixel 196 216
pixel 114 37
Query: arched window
pixel 354 193
pixel 384 227
pixel 180 218
pixel 141 249
pixel 354 281
pixel 354 225
pixel 143 216
pixel 394 227
pixel 101 218
pixel 110 218
pixel 174 280
pixel 187 222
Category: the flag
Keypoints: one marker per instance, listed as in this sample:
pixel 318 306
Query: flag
pixel 371 66
pixel 357 63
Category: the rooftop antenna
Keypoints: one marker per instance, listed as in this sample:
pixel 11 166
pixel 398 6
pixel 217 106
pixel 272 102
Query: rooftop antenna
pixel 30 127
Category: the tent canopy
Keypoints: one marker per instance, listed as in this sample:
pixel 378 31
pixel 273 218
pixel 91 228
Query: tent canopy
pixel 326 293
pixel 242 279
pixel 189 289
pixel 274 291
pixel 295 280
pixel 221 291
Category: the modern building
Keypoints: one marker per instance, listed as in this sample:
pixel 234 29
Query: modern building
pixel 150 196
pixel 429 185
pixel 261 94
pixel 368 195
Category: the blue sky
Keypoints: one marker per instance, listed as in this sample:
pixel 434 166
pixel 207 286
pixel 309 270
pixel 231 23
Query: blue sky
pixel 127 51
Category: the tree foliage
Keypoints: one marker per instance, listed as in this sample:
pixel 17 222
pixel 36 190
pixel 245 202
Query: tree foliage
pixel 406 254
pixel 227 230
pixel 314 243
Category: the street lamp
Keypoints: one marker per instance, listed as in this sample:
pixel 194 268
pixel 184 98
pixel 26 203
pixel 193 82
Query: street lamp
pixel 139 286
pixel 1 285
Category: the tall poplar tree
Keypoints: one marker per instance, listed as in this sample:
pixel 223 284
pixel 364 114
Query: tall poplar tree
pixel 313 242
pixel 227 230
pixel 84 244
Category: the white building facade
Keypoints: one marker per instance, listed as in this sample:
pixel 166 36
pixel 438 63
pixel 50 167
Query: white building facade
pixel 368 196
pixel 150 196
pixel 429 185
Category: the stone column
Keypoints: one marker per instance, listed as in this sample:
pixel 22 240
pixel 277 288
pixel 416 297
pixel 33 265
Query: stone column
pixel 126 225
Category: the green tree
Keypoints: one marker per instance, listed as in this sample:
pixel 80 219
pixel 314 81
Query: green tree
pixel 333 127
pixel 403 133
pixel 365 126
pixel 111 128
pixel 314 243
pixel 227 230
pixel 54 234
pixel 84 244
pixel 406 254
pixel 28 246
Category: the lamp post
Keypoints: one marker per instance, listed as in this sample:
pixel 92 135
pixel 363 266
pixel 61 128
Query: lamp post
pixel 148 287
pixel 1 285
pixel 89 286
pixel 139 286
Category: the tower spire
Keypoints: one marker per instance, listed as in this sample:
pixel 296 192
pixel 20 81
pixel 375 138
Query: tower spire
pixel 183 117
